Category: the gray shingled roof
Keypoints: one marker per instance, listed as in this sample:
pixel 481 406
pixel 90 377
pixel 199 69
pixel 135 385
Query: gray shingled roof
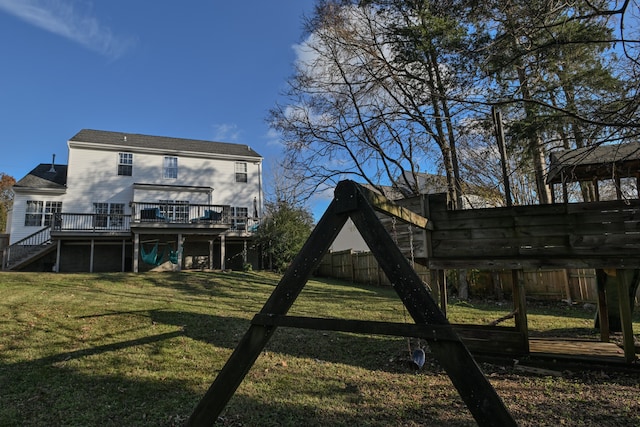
pixel 591 158
pixel 134 140
pixel 41 177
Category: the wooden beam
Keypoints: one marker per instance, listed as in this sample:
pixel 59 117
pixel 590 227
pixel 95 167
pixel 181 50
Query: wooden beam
pixel 603 311
pixel 624 278
pixel 58 251
pixel 520 305
pixel 136 251
pixel 92 252
pixel 223 249
pixel 444 293
pixel 386 206
pixel 426 332
pixel 210 254
pixel 435 288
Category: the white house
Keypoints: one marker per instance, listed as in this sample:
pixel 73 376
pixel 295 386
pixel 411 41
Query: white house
pixel 129 202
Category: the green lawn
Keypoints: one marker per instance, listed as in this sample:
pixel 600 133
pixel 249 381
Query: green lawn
pixel 141 350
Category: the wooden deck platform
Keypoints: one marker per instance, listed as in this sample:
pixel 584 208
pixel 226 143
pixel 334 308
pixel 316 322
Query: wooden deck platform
pixel 578 351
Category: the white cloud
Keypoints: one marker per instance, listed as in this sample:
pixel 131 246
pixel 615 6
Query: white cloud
pixel 274 139
pixel 61 18
pixel 226 132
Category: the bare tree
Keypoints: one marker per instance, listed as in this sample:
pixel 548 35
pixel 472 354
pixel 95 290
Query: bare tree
pixel 371 99
pixel 6 198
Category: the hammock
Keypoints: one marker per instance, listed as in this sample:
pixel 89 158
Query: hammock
pixel 173 255
pixel 152 257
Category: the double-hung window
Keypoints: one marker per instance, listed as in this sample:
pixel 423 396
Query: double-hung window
pixel 33 215
pixel 170 168
pixel 116 215
pixel 50 210
pixel 241 172
pixel 125 164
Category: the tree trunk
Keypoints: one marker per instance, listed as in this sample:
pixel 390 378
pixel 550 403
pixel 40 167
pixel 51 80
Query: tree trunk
pixel 463 285
pixel 536 146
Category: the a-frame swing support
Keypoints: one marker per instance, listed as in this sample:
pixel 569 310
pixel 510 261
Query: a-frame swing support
pixel 358 203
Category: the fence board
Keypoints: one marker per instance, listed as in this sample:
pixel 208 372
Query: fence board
pixel 576 285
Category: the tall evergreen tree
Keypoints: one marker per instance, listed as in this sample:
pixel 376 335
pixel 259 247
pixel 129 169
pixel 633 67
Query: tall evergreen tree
pixel 552 73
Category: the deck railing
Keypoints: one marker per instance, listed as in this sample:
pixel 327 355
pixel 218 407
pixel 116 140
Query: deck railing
pixel 180 213
pixel 163 213
pixel 97 223
pixel 184 213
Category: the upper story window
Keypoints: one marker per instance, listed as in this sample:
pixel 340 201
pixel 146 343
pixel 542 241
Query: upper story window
pixel 170 169
pixel 125 164
pixel 241 172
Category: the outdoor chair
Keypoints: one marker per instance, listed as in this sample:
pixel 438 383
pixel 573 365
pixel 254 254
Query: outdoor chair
pixel 152 214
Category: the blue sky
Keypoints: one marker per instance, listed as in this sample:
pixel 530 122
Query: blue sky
pixel 202 70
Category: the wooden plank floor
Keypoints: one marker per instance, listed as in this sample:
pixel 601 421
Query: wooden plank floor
pixel 577 350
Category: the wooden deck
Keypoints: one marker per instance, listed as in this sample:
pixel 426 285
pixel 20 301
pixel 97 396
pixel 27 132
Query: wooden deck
pixel 581 351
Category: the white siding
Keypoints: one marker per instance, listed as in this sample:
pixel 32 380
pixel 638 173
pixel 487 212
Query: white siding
pixel 17 228
pixel 92 177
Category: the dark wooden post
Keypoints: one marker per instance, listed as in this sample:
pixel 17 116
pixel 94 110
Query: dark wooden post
pixel 624 279
pixel 520 306
pixel 435 286
pixel 439 288
pixel 603 311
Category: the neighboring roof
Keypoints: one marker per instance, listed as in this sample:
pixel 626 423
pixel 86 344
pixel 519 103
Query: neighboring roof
pixel 594 162
pixel 45 176
pixel 387 191
pixel 123 140
pixel 432 184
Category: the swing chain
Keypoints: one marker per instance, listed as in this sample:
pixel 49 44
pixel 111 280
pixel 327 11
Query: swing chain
pixel 417 355
pixel 413 265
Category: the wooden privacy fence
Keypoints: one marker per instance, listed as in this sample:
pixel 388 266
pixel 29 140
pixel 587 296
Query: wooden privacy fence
pixel 577 285
pixel 359 267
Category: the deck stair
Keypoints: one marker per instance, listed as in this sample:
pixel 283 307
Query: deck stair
pixel 27 250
